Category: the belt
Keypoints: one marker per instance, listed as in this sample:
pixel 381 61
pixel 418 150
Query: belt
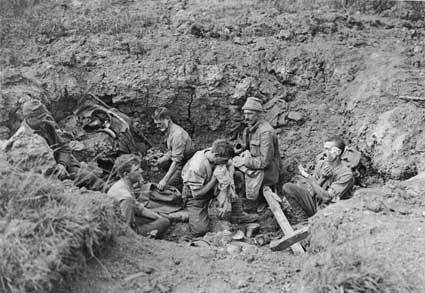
pixel 186 192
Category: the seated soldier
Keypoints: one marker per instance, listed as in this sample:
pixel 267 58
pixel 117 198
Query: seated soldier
pixel 331 181
pixel 179 145
pixel 199 183
pixel 40 121
pixel 143 220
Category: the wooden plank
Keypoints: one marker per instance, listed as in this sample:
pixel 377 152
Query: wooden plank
pixel 280 218
pixel 287 241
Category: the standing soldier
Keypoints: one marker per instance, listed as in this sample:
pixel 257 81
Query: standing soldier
pixel 179 145
pixel 259 151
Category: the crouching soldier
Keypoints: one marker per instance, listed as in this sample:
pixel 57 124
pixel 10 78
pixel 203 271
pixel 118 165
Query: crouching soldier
pixel 40 121
pixel 199 184
pixel 331 181
pixel 258 152
pixel 143 220
pixel 179 145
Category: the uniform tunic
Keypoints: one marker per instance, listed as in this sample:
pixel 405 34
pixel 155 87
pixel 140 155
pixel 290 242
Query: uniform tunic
pixel 195 174
pixel 338 184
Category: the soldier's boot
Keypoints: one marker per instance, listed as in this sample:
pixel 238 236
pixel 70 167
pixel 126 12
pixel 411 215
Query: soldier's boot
pixel 238 215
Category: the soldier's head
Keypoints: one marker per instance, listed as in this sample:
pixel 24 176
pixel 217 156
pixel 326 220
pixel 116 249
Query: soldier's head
pixel 32 107
pixel 252 110
pixel 162 118
pixel 334 147
pixel 35 114
pixel 128 167
pixel 221 152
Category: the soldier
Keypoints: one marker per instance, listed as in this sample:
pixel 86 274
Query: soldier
pixel 179 145
pixel 39 119
pixel 103 134
pixel 199 183
pixel 143 220
pixel 331 180
pixel 259 151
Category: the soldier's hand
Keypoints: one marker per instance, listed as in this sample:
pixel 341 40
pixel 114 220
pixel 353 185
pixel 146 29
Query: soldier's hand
pixel 161 184
pixel 302 171
pixel 327 171
pixel 238 161
pixel 60 171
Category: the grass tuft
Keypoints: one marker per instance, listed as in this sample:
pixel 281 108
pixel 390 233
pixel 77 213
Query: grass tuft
pixel 48 230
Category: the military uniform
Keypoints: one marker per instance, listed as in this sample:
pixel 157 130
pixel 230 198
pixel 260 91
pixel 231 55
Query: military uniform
pixel 338 185
pixel 262 143
pixel 180 150
pixel 261 140
pixel 38 119
pixel 195 174
pixel 131 210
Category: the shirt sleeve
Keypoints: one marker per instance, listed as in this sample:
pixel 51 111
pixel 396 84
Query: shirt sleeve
pixel 60 147
pixel 194 179
pixel 266 153
pixel 343 184
pixel 178 146
pixel 317 174
pixel 119 193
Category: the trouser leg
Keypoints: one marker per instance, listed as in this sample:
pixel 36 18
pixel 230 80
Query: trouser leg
pixel 83 176
pixel 161 225
pixel 301 197
pixel 198 216
pixel 239 216
pixel 127 210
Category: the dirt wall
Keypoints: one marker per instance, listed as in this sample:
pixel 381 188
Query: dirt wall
pixel 321 71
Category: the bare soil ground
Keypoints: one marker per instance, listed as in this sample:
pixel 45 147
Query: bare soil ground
pixel 351 68
pixel 137 264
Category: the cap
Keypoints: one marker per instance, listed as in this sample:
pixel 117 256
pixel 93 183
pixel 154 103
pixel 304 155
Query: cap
pixel 31 106
pixel 253 104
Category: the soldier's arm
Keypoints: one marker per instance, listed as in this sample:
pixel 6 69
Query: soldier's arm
pixel 170 172
pixel 145 212
pixel 166 157
pixel 200 193
pixel 60 147
pixel 266 153
pixel 176 155
pixel 319 191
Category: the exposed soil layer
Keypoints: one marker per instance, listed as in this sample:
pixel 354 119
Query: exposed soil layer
pixel 320 70
pixel 143 265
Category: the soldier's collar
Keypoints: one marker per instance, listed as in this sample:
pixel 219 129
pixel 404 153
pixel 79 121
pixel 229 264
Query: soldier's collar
pixel 167 133
pixel 254 127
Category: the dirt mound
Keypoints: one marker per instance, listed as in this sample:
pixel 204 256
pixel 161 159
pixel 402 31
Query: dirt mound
pixel 371 242
pixel 29 152
pixel 15 90
pixel 48 230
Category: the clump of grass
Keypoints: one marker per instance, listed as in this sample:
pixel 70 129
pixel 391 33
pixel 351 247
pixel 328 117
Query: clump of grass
pixel 49 230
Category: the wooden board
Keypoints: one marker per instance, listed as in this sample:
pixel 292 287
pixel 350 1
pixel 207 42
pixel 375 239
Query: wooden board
pixel 287 241
pixel 280 218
